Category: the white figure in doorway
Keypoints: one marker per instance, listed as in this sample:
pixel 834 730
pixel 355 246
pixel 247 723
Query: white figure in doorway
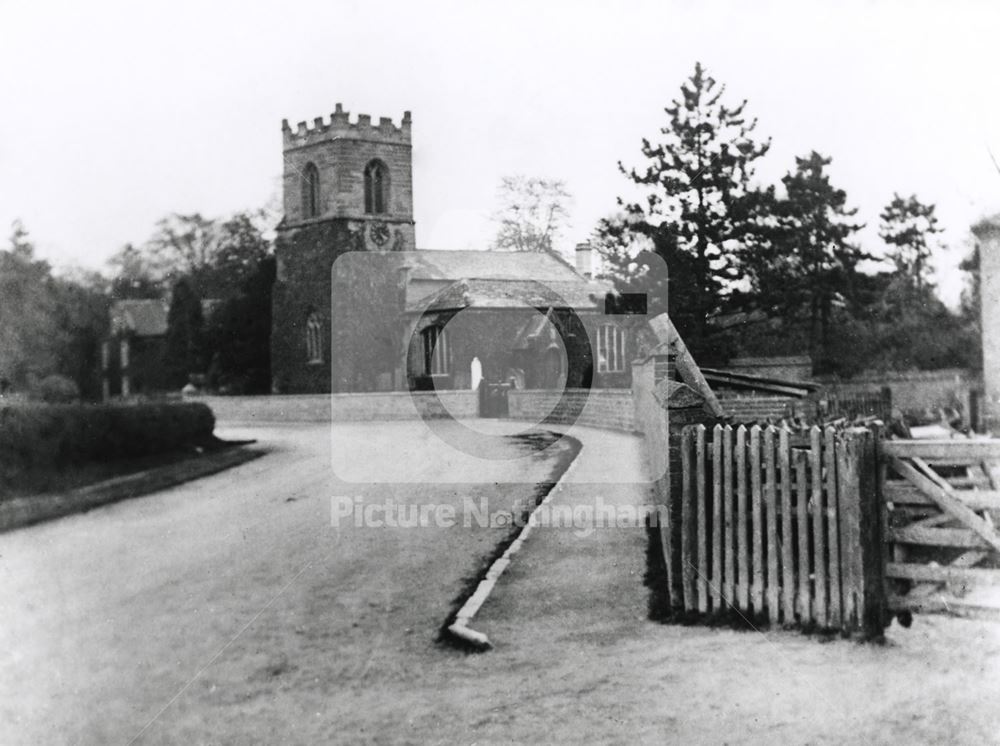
pixel 476 373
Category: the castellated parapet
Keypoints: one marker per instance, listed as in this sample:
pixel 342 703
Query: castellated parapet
pixel 341 127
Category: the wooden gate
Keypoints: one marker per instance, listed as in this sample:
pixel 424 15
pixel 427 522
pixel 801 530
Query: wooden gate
pixel 780 527
pixel 493 399
pixel 943 500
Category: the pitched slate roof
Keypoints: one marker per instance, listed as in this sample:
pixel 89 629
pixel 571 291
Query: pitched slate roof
pixel 580 295
pixel 144 318
pixel 494 265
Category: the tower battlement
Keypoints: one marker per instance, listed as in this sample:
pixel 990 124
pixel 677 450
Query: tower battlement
pixel 340 126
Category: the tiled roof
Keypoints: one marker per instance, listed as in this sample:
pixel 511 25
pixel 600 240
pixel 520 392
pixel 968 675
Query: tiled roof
pixel 677 395
pixel 505 293
pixel 507 265
pixel 144 318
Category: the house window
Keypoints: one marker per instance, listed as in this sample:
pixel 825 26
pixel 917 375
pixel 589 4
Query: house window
pixel 610 349
pixel 123 354
pixel 376 188
pixel 314 339
pixel 310 191
pixel 435 351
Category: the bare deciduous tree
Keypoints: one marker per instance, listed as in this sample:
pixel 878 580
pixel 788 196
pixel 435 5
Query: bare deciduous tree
pixel 532 213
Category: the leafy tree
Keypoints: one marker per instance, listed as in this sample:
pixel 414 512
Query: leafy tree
pixel 28 342
pixel 81 303
pixel 183 246
pixel 49 326
pixel 240 249
pixel 532 213
pixel 206 259
pixel 696 210
pixel 908 225
pixel 134 277
pixel 216 256
pixel 184 346
pixel 239 335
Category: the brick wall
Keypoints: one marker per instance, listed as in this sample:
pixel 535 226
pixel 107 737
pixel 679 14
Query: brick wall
pixel 612 409
pixel 748 409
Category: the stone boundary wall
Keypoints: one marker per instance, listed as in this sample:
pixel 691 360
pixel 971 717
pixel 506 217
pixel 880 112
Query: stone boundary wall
pixel 298 408
pixel 390 405
pixel 404 405
pixel 918 390
pixel 611 409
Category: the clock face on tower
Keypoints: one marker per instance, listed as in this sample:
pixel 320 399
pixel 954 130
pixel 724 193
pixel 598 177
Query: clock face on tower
pixel 380 233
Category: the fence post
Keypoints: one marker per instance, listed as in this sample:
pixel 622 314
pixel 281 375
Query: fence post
pixel 874 517
pixel 702 524
pixel 861 551
pixel 717 601
pixel 687 560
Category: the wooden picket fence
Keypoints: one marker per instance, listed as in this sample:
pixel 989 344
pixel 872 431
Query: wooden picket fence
pixel 779 527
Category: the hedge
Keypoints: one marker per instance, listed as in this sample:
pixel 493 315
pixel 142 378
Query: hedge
pixel 54 436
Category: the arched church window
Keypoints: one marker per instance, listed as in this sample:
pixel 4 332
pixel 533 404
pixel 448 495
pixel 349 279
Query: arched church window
pixel 376 187
pixel 310 191
pixel 314 339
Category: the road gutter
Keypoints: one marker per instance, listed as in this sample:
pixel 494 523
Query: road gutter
pixel 460 628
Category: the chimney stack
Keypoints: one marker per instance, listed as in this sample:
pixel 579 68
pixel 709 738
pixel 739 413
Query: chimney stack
pixel 585 259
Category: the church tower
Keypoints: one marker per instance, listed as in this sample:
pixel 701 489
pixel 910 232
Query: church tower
pixel 347 186
pixel 351 171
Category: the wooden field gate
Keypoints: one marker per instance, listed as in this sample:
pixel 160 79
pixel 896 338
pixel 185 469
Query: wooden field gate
pixel 943 500
pixel 827 528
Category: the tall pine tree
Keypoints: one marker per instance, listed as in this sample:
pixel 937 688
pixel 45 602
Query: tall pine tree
pixel 695 210
pixel 184 345
pixel 808 264
pixel 908 227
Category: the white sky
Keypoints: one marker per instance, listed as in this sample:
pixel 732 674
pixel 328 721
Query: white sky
pixel 115 114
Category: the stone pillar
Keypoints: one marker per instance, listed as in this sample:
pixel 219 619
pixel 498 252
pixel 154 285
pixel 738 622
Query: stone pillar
pixel 988 234
pixel 105 370
pixel 123 361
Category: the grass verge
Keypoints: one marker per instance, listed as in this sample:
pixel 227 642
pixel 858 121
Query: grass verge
pixel 537 440
pixel 76 491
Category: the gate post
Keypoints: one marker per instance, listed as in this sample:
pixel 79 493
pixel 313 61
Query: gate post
pixel 862 553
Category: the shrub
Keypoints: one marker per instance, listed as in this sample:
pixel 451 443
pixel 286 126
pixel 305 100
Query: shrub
pixel 57 389
pixel 54 436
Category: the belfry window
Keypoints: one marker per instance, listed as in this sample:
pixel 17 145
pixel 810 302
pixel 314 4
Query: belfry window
pixel 314 339
pixel 376 188
pixel 310 191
